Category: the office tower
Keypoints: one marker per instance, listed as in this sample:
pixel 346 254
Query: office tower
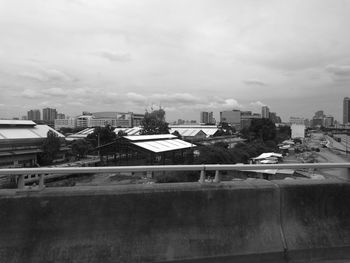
pixel 204 117
pixel 34 115
pixel 49 115
pixel 265 112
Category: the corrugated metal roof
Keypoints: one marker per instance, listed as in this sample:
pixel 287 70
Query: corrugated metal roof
pixel 86 131
pixel 38 131
pixel 188 131
pixel 164 145
pixel 210 132
pixel 150 137
pixel 129 131
pixel 17 122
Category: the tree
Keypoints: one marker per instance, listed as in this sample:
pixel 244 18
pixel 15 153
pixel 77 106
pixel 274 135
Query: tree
pixel 67 130
pixel 260 129
pixel 51 146
pixel 154 123
pixel 225 128
pixel 80 148
pixel 283 133
pixel 102 135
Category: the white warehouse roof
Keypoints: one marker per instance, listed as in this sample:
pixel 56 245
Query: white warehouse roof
pixel 22 132
pixel 159 146
pixel 150 137
pixel 194 130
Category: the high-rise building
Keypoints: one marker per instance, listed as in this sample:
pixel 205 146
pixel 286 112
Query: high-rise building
pixel 206 117
pixel 346 110
pixel 34 115
pixel 265 112
pixel 49 115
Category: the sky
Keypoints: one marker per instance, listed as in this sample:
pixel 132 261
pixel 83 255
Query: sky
pixel 186 56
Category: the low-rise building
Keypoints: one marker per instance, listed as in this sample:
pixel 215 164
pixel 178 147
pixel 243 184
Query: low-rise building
pixel 21 142
pixel 232 117
pixel 65 123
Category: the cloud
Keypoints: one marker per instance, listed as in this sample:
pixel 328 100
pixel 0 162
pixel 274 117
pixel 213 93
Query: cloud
pixel 56 75
pixel 50 104
pixel 49 75
pixel 231 103
pixel 55 92
pixel 32 75
pixel 31 94
pixel 179 98
pixel 257 104
pixel 136 97
pixel 76 103
pixel 339 72
pixel 113 56
pixel 254 82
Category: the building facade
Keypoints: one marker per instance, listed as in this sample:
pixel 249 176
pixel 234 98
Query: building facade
pixel 101 119
pixel 328 121
pixel 21 143
pixel 232 117
pixel 206 117
pixel 296 120
pixel 247 117
pixel 265 112
pixel 49 115
pixel 34 115
pixel 65 123
pixel 61 116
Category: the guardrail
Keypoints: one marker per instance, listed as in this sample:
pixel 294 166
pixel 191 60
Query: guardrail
pixel 41 173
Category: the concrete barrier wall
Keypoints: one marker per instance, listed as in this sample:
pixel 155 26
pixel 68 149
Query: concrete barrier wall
pixel 316 219
pixel 241 221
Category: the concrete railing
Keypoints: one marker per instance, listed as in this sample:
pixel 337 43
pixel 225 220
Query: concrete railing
pixel 243 221
pixel 39 174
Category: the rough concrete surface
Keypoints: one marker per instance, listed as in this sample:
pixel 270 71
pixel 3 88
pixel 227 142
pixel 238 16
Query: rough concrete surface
pixel 277 221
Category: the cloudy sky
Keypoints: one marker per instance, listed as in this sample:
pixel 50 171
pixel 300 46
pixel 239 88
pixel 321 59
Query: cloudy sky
pixel 185 55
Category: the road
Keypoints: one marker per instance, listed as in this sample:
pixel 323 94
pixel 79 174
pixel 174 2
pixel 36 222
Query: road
pixel 334 154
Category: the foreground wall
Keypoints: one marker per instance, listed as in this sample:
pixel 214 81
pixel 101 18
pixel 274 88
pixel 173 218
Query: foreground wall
pixel 247 221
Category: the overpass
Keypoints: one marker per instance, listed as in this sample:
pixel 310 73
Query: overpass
pixel 237 221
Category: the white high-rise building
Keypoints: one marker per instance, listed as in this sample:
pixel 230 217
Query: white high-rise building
pixel 265 112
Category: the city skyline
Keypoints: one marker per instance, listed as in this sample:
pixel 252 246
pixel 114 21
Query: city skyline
pixel 185 56
pixel 264 113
